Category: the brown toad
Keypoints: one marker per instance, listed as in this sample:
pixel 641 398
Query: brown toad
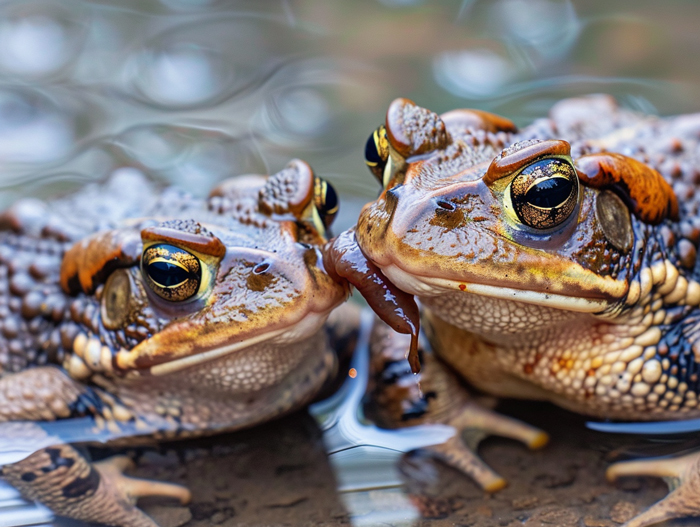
pixel 557 262
pixel 159 316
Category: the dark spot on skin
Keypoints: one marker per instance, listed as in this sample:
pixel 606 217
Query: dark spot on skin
pixel 82 486
pixel 87 403
pixel 28 476
pixel 310 259
pixel 446 205
pixel 260 279
pixel 285 469
pixel 57 460
pixel 448 219
pixel 392 199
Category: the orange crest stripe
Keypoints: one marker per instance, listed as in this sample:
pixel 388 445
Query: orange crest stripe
pixel 646 192
pixel 88 262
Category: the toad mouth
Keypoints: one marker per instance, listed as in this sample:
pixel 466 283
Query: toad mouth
pixel 128 359
pixel 428 286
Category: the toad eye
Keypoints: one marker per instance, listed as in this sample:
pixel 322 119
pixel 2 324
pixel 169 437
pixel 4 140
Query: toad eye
pixel 377 153
pixel 545 193
pixel 172 273
pixel 325 201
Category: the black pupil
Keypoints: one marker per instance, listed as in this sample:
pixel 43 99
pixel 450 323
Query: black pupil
pixel 167 274
pixel 371 154
pixel 549 193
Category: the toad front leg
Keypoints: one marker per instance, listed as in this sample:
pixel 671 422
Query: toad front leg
pixel 59 476
pixel 399 398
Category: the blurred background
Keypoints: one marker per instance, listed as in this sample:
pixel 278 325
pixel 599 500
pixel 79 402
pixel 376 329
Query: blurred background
pixel 194 91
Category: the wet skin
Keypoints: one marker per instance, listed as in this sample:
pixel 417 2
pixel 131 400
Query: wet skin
pixel 557 262
pixel 160 316
pixel 548 265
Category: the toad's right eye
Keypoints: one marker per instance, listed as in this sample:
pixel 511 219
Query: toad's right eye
pixel 172 273
pixel 545 193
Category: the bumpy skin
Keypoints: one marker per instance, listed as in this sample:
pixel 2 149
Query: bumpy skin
pixel 592 304
pixel 574 314
pixel 83 332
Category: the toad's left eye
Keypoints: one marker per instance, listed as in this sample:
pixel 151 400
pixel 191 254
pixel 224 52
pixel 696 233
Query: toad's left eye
pixel 172 273
pixel 325 201
pixel 544 194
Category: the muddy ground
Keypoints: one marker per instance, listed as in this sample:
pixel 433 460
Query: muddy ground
pixel 278 474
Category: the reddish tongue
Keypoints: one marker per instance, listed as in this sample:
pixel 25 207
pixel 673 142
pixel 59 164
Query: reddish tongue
pixel 343 259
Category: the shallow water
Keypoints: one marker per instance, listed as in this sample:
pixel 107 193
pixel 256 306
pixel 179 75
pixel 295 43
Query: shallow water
pixel 190 92
pixel 193 91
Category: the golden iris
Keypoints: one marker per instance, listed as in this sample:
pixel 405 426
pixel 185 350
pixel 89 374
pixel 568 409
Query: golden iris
pixel 545 193
pixel 172 273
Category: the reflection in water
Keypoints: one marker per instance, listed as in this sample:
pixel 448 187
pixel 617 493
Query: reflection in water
pixel 182 76
pixel 365 457
pixel 188 4
pixel 32 46
pixel 188 156
pixel 206 63
pixel 32 128
pixel 474 73
pixel 536 34
pixel 37 39
pixel 302 111
pixel 548 27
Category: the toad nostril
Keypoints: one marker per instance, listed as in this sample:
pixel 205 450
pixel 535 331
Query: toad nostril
pixel 445 205
pixel 261 268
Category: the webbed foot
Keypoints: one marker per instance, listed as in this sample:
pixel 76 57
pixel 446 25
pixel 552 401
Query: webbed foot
pixel 398 398
pixel 474 423
pixel 682 474
pixel 63 480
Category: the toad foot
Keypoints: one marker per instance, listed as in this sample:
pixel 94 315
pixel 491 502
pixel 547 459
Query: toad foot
pixel 473 424
pixel 62 479
pixel 398 398
pixel 682 474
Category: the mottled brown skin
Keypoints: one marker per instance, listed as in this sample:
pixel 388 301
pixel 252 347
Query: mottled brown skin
pixel 508 294
pixel 83 332
pixel 597 311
